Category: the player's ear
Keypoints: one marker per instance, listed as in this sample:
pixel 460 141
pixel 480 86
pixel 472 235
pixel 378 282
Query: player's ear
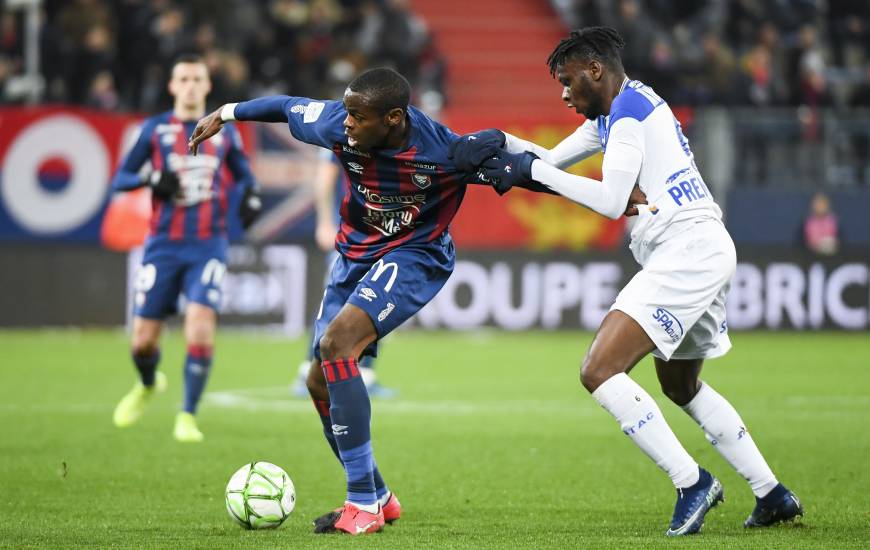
pixel 395 116
pixel 596 70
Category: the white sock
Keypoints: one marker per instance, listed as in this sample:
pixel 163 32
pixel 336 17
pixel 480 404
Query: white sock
pixel 641 419
pixel 386 498
pixel 727 432
pixel 370 508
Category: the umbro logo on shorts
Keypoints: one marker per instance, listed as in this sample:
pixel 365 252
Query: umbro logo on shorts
pixel 367 294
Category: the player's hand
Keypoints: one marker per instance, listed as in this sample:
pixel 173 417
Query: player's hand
pixel 469 151
pixel 250 207
pixel 324 235
pixel 205 128
pixel 505 170
pixel 637 197
pixel 164 184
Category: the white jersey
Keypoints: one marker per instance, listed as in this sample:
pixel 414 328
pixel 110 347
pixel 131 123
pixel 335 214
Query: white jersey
pixel 643 143
pixel 668 175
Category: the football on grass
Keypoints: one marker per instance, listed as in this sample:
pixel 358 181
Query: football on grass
pixel 260 495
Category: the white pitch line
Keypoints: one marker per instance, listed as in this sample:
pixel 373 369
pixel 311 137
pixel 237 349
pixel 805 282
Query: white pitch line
pixel 265 399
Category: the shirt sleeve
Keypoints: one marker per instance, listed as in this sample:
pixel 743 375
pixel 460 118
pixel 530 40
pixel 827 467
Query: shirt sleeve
pixel 582 143
pixel 622 163
pixel 312 121
pixel 237 161
pixel 127 177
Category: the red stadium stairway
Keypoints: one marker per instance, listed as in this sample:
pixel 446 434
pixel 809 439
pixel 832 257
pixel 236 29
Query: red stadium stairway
pixel 496 53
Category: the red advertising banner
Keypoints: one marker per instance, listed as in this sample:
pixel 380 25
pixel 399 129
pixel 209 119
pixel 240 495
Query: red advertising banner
pixel 536 221
pixel 56 166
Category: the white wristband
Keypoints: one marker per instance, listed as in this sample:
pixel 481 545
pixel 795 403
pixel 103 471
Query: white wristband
pixel 228 112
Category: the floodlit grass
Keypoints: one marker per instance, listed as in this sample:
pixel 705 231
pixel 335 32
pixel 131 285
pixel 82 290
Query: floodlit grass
pixel 491 443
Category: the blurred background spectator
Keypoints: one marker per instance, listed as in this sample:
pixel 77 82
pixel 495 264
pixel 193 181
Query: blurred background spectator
pixel 742 52
pixel 114 54
pixel 820 227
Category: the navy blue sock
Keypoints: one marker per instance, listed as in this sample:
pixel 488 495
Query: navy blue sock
pixel 323 411
pixel 197 366
pixel 147 366
pixel 350 412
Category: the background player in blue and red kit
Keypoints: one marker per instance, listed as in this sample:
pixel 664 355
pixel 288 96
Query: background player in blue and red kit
pixel 186 249
pixel 396 254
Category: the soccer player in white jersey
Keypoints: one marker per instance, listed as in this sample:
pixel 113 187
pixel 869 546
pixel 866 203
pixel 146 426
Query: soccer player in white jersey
pixel 675 306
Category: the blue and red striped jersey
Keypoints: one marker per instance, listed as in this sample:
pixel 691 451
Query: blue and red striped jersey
pixel 393 197
pixel 199 210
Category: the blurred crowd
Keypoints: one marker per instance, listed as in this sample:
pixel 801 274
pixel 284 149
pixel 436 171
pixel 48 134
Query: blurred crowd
pixel 115 54
pixel 741 52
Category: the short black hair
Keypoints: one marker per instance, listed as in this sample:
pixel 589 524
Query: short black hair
pixel 384 88
pixel 601 44
pixel 189 58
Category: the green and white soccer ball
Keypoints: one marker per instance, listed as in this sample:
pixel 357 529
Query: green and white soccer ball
pixel 260 495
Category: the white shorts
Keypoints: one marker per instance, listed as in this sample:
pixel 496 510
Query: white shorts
pixel 679 295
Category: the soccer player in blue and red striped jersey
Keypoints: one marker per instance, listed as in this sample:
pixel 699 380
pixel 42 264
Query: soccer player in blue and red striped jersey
pixel 395 254
pixel 186 249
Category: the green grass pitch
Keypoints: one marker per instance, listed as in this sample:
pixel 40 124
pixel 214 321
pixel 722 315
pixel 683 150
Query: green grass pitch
pixel 492 443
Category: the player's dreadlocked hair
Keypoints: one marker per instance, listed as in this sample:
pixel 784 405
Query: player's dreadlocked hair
pixel 385 89
pixel 601 44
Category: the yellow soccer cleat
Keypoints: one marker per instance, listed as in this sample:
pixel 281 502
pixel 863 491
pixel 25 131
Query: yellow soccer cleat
pixel 132 405
pixel 185 428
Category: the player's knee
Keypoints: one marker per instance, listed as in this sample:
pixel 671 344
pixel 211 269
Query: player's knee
pixel 332 346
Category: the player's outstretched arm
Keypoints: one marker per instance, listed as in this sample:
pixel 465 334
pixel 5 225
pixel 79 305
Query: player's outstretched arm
pixel 263 109
pixel 615 196
pixel 581 144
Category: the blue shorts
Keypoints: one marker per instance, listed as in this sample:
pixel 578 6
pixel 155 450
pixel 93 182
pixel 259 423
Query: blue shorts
pixel 170 268
pixel 391 290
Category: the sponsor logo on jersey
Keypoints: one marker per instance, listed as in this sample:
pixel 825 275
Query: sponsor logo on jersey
pixel 421 180
pixel 161 129
pixel 312 111
pixel 377 198
pixel 355 167
pixel 367 294
pixel 671 325
pixel 196 177
pixel 421 165
pixel 297 109
pixel 390 220
pixel 352 151
pixel 386 311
